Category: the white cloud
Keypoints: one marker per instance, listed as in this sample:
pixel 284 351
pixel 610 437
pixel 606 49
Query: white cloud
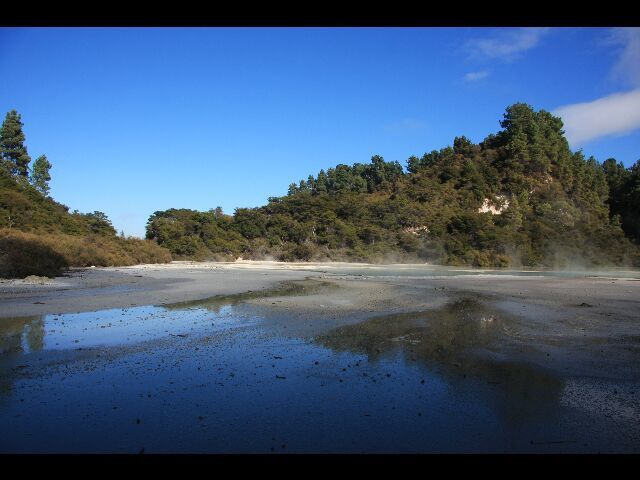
pixel 507 44
pixel 628 65
pixel 474 76
pixel 615 114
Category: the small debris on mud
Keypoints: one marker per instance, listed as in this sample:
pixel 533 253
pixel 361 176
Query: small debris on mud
pixel 36 280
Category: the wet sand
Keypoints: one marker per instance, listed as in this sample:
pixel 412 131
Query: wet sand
pixel 539 363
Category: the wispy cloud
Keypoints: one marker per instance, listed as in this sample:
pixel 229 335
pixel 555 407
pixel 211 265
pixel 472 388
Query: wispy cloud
pixel 627 67
pixel 406 125
pixel 475 76
pixel 508 44
pixel 614 114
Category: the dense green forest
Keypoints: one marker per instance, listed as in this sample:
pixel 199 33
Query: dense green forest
pixel 39 236
pixel 521 197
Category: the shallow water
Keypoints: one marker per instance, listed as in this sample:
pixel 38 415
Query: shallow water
pixel 223 375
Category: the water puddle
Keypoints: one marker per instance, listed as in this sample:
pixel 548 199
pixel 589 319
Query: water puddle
pixel 216 376
pixel 125 326
pixel 106 328
pixel 456 341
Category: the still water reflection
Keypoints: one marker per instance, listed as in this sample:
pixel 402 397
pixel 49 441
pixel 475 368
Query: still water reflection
pixel 213 376
pixel 23 334
pixel 455 341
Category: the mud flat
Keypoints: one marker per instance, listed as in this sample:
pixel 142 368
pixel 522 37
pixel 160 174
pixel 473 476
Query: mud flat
pixel 100 288
pixel 268 357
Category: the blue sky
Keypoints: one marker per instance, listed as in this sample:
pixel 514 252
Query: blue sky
pixel 136 120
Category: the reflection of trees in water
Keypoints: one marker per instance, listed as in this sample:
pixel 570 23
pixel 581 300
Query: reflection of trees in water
pixel 17 336
pixel 456 340
pixel 436 335
pixel 18 333
pixel 285 289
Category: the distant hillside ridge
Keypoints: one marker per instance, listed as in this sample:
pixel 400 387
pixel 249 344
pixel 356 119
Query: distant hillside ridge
pixel 521 197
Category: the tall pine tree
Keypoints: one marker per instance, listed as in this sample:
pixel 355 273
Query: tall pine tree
pixel 40 174
pixel 13 152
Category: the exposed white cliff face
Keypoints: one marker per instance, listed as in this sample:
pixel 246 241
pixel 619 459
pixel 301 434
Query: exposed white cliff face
pixel 494 208
pixel 417 230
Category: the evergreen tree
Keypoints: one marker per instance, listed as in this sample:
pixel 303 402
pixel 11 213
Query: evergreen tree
pixel 617 177
pixel 632 202
pixel 13 152
pixel 624 195
pixel 311 182
pixel 413 163
pixel 99 223
pixel 217 212
pixel 40 174
pixel 321 183
pixel 462 145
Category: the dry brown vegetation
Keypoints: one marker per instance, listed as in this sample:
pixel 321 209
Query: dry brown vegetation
pixel 46 254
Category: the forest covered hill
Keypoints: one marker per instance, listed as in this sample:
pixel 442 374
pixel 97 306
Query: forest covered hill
pixel 521 197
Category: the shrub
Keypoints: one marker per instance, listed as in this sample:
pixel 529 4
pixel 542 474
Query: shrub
pixel 24 253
